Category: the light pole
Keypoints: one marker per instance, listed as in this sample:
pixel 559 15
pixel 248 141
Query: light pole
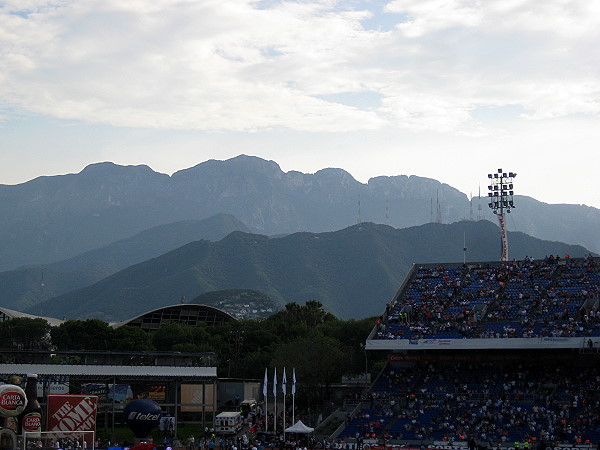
pixel 364 348
pixel 500 197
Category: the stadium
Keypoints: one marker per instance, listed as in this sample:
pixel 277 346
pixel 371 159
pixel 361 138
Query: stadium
pixel 497 354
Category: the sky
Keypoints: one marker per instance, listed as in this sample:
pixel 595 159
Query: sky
pixel 445 89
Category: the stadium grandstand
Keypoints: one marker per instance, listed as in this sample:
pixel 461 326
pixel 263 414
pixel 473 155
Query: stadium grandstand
pixel 489 354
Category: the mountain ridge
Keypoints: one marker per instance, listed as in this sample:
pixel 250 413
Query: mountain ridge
pixel 353 271
pixel 54 218
pixel 22 287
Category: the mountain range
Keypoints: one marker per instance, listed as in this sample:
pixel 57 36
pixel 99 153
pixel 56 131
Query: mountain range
pixel 353 272
pixel 54 218
pixel 28 285
pixel 115 241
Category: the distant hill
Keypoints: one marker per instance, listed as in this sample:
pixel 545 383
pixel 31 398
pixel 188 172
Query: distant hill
pixel 240 303
pixel 353 272
pixel 54 218
pixel 22 288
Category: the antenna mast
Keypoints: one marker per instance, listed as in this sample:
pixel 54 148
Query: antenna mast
pixel 464 247
pixel 471 208
pixel 387 212
pixel 42 296
pixel 479 212
pixel 438 217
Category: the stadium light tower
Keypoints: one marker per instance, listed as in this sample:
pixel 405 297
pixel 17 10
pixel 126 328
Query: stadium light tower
pixel 500 198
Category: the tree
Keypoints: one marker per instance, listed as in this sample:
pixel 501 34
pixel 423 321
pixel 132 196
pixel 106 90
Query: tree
pixel 131 338
pixel 352 334
pixel 295 320
pixel 90 334
pixel 171 334
pixel 319 361
pixel 314 314
pixel 26 333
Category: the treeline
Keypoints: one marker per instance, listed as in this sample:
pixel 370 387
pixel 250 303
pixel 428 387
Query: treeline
pixel 319 346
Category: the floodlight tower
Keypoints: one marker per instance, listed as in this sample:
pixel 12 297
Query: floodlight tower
pixel 500 201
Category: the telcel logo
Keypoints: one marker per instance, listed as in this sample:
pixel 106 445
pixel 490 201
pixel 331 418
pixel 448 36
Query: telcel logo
pixel 139 416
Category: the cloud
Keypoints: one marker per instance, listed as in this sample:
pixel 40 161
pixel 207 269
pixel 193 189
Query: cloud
pixel 247 65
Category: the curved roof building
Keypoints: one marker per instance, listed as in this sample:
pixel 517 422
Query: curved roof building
pixel 7 314
pixel 184 313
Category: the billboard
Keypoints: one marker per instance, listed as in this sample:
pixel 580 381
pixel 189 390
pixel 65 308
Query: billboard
pixel 123 393
pixel 71 412
pixel 197 397
pixel 52 384
pixel 120 393
pixel 156 392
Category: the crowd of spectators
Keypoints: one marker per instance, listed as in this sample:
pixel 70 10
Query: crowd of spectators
pixel 489 402
pixel 554 297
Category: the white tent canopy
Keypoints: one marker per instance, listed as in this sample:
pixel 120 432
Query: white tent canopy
pixel 299 427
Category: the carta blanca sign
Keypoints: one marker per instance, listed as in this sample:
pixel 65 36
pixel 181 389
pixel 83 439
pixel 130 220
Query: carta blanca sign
pixel 12 400
pixel 71 412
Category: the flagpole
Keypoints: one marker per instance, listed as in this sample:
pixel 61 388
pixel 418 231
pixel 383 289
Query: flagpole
pixel 275 401
pixel 283 389
pixel 265 392
pixel 293 396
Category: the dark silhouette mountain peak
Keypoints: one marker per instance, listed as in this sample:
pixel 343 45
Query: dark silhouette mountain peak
pixel 110 169
pixel 334 174
pixel 240 237
pixel 242 164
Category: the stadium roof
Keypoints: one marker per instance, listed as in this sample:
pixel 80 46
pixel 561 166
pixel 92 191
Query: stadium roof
pixel 170 372
pixel 185 313
pixel 6 314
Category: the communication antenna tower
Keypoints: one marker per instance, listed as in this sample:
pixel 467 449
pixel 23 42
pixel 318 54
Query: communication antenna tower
pixel 387 212
pixel 471 208
pixel 500 197
pixel 438 217
pixel 479 212
pixel 42 296
pixel 431 210
pixel 358 218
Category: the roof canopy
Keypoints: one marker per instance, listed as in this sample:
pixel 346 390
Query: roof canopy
pixel 112 371
pixel 299 427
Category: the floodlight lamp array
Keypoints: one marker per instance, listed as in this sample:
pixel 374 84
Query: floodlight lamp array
pixel 501 191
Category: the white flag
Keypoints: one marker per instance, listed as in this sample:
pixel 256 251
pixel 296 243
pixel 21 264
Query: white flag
pixel 294 381
pixel 283 383
pixel 275 383
pixel 265 382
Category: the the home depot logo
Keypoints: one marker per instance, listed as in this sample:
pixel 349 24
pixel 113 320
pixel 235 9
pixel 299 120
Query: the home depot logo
pixel 72 412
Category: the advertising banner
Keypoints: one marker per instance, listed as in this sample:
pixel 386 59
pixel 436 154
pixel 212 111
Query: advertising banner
pixel 194 397
pixel 55 384
pixel 121 393
pixel 155 392
pixel 71 413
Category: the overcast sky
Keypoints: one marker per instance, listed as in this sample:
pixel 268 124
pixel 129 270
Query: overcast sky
pixel 446 89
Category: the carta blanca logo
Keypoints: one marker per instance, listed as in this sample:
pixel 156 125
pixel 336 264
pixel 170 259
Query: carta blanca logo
pixel 134 415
